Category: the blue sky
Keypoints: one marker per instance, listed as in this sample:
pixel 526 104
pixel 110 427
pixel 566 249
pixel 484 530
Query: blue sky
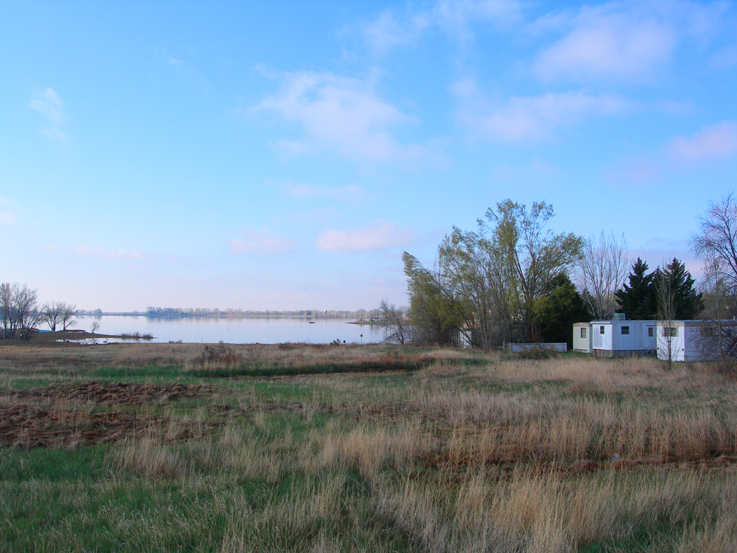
pixel 282 155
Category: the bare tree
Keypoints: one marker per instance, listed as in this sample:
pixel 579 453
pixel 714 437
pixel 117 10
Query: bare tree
pixel 395 321
pixel 666 303
pixel 7 310
pixel 716 244
pixel 601 272
pixel 51 314
pixel 67 316
pixel 26 313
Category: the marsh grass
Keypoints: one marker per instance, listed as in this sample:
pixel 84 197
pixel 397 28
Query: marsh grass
pixel 467 451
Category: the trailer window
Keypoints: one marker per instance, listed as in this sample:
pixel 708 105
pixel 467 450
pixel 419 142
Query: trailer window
pixel 650 332
pixel 670 331
pixel 601 330
pixel 625 330
pixel 583 332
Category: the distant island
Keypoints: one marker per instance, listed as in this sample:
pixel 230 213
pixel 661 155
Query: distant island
pixel 185 313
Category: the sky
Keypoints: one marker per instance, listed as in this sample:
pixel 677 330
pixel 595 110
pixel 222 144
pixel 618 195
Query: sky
pixel 282 155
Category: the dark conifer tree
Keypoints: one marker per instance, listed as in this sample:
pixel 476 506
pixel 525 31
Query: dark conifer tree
pixel 637 299
pixel 559 309
pixel 687 302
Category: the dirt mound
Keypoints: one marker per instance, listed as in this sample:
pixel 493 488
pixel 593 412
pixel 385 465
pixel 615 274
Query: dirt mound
pixel 30 427
pixel 112 393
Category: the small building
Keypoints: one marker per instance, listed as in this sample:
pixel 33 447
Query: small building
pixel 693 340
pixel 620 338
pixel 582 337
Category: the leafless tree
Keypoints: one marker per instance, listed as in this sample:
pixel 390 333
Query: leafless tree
pixel 601 272
pixel 51 314
pixel 26 313
pixel 395 321
pixel 666 305
pixel 716 244
pixel 67 316
pixel 6 306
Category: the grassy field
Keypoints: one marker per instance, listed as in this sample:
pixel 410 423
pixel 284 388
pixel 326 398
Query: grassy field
pixel 184 447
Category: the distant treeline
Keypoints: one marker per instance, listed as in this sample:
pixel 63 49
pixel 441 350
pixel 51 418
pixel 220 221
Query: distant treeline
pixel 184 313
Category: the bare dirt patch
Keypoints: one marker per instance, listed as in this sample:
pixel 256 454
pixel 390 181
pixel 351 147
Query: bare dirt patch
pixel 31 427
pixel 112 393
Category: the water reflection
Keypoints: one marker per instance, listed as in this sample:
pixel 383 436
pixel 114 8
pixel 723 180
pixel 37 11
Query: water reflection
pixel 235 331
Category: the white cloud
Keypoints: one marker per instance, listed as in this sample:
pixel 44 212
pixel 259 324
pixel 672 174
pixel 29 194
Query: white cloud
pixel 624 40
pixel 455 17
pixel 47 103
pixel 388 31
pixel 529 117
pixel 91 251
pixel 349 193
pixel 606 43
pixel 714 142
pixel 380 235
pixel 261 242
pixel 340 114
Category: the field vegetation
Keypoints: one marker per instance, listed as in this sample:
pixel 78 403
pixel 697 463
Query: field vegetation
pixel 185 447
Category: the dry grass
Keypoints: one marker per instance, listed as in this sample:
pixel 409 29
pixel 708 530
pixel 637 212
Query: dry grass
pixel 487 454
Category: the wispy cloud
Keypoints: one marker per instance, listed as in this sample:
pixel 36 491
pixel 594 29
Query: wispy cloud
pixel 634 171
pixel 529 117
pixel 340 114
pixel 380 235
pixel 47 103
pixel 261 242
pixel 8 212
pixel 388 31
pixel 606 45
pixel 456 18
pixel 623 40
pixel 718 141
pixel 348 193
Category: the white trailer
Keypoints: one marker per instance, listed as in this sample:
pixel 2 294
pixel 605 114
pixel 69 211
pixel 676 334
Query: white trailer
pixel 621 338
pixel 582 337
pixel 692 340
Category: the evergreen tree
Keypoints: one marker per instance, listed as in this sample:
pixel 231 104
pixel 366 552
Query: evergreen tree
pixel 559 309
pixel 687 303
pixel 637 299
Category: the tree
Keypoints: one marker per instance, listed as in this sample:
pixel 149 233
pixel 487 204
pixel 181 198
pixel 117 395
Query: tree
pixel 436 314
pixel 560 309
pixel 665 298
pixel 67 316
pixel 717 242
pixel 487 283
pixel 26 314
pixel 602 269
pixel 637 299
pixel 678 285
pixel 7 310
pixel 533 254
pixel 471 264
pixel 395 322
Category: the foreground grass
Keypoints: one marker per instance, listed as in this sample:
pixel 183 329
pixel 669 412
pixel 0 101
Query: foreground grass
pixel 373 448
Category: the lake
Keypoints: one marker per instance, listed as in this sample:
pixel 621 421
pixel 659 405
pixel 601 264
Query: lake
pixel 236 331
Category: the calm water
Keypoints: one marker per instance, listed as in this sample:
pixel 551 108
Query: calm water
pixel 237 331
